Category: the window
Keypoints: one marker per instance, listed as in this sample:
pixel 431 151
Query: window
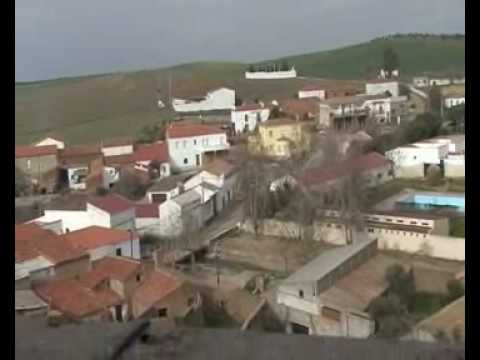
pixel 258 117
pixel 185 161
pixel 162 312
pixel 300 294
pixel 194 141
pixel 425 224
pixel 338 226
pixel 246 118
pixel 389 220
pixel 379 175
pixel 400 221
pixel 370 230
pixel 118 252
pixel 139 277
pixel 329 225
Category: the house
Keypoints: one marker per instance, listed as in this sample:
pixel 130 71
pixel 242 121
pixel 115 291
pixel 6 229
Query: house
pixel 300 109
pixel 454 100
pixel 163 295
pixel 50 141
pixel 312 91
pixel 41 254
pixel 116 147
pixel 280 138
pixel 79 211
pixel 370 169
pixel 183 214
pixel 190 145
pixel 245 118
pixel 40 164
pixel 77 302
pixel 153 155
pixel 420 81
pixel 100 242
pixel 313 303
pixel 381 86
pixel 167 188
pixel 146 216
pixel 218 99
pixel 217 180
pixel 445 153
pixel 81 167
pixel 446 324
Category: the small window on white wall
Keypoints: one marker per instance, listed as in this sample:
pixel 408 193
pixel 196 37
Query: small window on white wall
pixel 185 161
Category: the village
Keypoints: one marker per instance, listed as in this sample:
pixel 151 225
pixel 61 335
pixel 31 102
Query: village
pixel 339 211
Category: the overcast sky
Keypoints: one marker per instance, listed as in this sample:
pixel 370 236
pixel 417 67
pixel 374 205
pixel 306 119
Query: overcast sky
pixel 55 38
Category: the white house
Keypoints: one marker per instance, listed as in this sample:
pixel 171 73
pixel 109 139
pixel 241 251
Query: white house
pixel 312 91
pixel 420 81
pixel 246 117
pixel 188 143
pixel 380 86
pixel 386 109
pixel 219 99
pixel 454 100
pixel 101 242
pixel 217 182
pixel 414 159
pixel 167 188
pixel 51 141
pixel 264 75
pixel 111 211
pixel 439 81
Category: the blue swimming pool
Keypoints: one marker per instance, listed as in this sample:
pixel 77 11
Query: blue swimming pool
pixel 431 201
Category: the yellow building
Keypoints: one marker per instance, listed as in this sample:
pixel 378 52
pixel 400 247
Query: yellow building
pixel 281 138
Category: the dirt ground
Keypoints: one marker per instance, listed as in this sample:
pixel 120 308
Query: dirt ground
pixel 269 253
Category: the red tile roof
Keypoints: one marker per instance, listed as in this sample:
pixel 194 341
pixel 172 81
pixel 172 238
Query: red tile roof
pixel 311 88
pixel 189 130
pixel 73 299
pixel 300 106
pixel 349 166
pixel 248 107
pixel 94 237
pixel 116 268
pixel 119 160
pixel 112 203
pixel 157 286
pixel 157 151
pixel 32 241
pixel 34 151
pixel 147 210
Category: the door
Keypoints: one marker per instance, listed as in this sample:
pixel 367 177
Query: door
pixel 197 158
pixel 118 313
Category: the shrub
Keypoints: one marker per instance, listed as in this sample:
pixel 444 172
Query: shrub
pixel 130 186
pixel 455 290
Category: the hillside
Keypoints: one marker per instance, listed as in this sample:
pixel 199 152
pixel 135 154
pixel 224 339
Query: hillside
pixel 416 55
pixel 87 109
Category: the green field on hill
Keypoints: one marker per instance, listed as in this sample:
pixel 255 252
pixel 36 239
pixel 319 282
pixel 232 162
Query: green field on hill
pixel 91 108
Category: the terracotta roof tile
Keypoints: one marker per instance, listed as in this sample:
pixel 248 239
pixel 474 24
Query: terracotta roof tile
pixel 300 106
pixel 157 151
pixel 34 151
pixel 360 163
pixel 32 241
pixel 112 203
pixel 119 160
pixel 189 130
pixel 71 298
pixel 116 268
pixel 147 210
pixel 94 237
pixel 155 288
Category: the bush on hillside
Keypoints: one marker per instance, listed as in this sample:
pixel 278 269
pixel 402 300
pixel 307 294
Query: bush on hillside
pixel 151 133
pixel 130 186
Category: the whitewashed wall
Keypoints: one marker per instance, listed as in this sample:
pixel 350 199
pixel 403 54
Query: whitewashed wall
pixel 240 119
pixel 221 99
pixel 49 141
pixel 71 219
pixel 271 75
pixel 117 150
pixel 181 149
pixel 380 88
pixel 305 94
pixel 110 250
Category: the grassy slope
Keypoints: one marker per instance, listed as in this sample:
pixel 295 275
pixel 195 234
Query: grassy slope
pixel 90 108
pixel 415 56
